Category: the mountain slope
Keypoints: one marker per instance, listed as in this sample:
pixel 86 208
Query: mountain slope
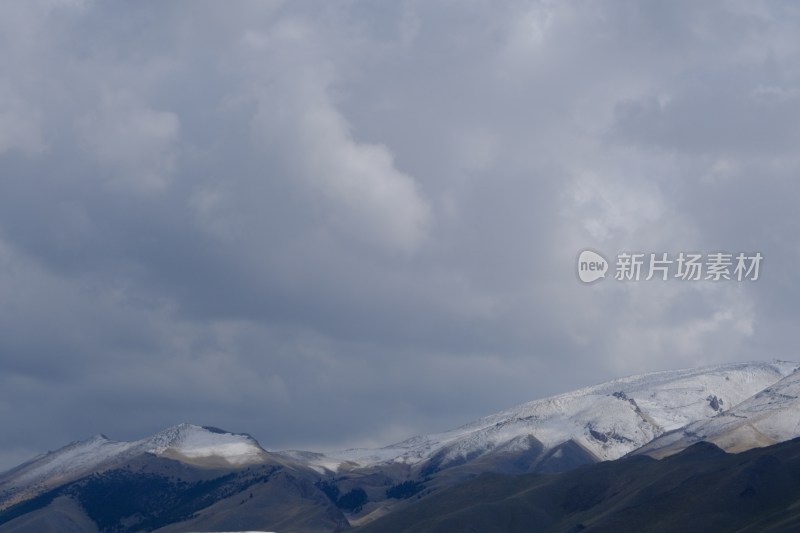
pixel 152 493
pixel 607 420
pixel 770 416
pixel 699 489
pixel 186 477
pixel 201 446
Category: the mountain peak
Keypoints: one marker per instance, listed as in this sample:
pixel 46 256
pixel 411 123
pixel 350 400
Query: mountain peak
pixel 187 443
pixel 192 443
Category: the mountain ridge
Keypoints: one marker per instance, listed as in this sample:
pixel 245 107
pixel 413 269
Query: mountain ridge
pixel 185 442
pixel 641 407
pixel 207 472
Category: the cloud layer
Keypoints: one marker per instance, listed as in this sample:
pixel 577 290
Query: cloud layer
pixel 334 224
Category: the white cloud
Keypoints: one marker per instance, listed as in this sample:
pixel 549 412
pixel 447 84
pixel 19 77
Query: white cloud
pixel 614 208
pixel 357 188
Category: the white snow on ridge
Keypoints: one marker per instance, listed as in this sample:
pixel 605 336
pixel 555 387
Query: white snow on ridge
pixel 197 442
pixel 78 455
pixel 610 419
pixel 318 462
pixel 184 441
pixel 769 417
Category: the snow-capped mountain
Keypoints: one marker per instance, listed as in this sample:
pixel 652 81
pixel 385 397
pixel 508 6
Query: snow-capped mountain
pixel 199 478
pixel 607 420
pixel 201 446
pixel 770 416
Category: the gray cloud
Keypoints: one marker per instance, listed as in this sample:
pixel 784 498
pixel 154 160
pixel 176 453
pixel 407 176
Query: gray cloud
pixel 332 224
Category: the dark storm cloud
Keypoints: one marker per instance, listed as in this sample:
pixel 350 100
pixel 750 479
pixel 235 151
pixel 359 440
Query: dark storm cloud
pixel 331 224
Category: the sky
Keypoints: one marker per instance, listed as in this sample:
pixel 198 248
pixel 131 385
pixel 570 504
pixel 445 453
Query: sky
pixel 336 224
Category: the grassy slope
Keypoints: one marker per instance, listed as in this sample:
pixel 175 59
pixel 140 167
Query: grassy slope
pixel 700 489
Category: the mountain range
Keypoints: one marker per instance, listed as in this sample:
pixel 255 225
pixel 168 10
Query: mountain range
pixel 195 478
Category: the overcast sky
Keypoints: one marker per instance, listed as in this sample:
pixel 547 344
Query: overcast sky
pixel 331 224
